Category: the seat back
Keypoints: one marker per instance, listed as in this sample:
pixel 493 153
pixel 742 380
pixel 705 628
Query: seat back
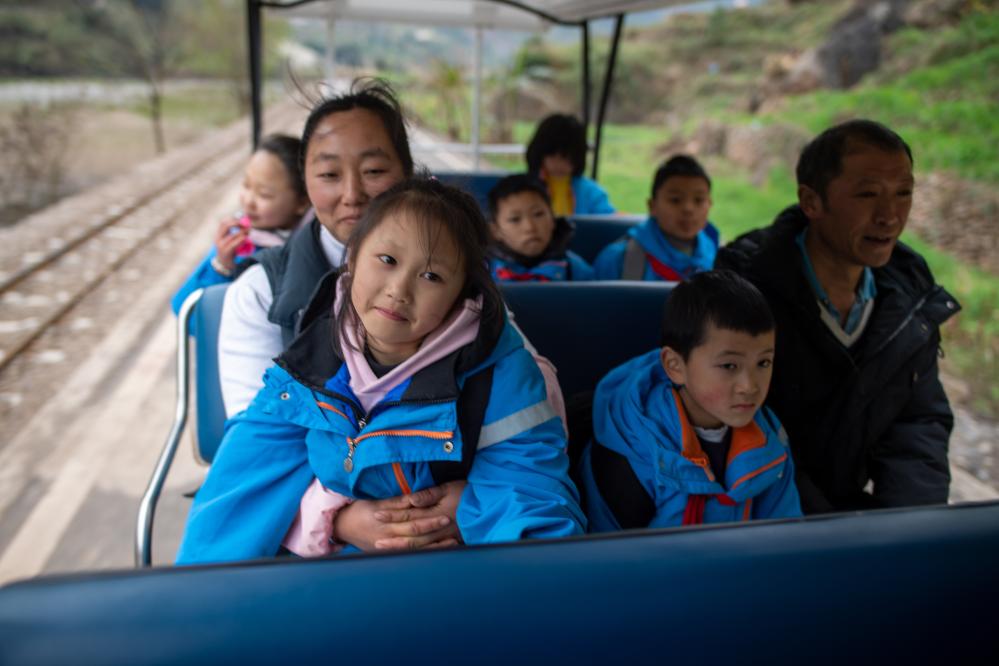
pixel 476 183
pixel 595 232
pixel 588 328
pixel 916 585
pixel 209 409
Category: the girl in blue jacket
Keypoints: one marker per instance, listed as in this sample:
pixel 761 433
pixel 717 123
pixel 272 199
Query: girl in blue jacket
pixel 680 434
pixel 556 155
pixel 530 244
pixel 273 200
pixel 406 374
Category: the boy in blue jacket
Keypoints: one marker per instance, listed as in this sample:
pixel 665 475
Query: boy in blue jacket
pixel 529 242
pixel 680 434
pixel 676 240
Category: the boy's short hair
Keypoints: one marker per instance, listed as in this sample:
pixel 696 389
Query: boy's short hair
pixel 822 159
pixel 515 184
pixel 678 165
pixel 558 134
pixel 719 297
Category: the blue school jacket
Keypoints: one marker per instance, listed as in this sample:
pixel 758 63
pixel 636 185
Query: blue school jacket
pixel 556 264
pixel 202 276
pixel 589 198
pixel 306 423
pixel 636 414
pixel 678 266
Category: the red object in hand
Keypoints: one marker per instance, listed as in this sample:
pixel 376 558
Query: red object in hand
pixel 246 247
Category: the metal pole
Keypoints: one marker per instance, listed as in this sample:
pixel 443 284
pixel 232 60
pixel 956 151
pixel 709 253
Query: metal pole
pixel 253 49
pixel 330 49
pixel 147 506
pixel 477 98
pixel 605 94
pixel 586 76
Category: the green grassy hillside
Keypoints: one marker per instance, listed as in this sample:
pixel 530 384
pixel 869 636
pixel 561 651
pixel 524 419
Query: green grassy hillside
pixel 938 88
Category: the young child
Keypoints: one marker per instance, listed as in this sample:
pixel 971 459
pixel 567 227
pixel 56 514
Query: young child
pixel 556 155
pixel 680 434
pixel 529 242
pixel 406 374
pixel 273 200
pixel 677 240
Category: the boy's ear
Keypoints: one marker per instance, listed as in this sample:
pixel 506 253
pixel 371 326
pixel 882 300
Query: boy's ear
pixel 810 202
pixel 648 205
pixel 674 366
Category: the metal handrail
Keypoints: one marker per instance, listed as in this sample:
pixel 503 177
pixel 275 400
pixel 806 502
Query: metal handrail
pixel 147 507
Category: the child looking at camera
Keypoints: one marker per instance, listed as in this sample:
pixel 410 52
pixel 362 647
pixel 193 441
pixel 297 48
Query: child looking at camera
pixel 676 240
pixel 529 242
pixel 680 434
pixel 406 375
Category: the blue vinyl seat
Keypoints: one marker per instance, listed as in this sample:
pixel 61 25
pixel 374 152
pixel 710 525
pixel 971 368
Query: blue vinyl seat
pixel 587 328
pixel 884 587
pixel 595 232
pixel 476 183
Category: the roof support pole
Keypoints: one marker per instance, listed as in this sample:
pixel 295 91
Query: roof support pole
pixel 253 49
pixel 477 99
pixel 605 93
pixel 330 59
pixel 586 76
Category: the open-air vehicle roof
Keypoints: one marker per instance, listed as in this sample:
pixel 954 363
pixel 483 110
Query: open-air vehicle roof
pixel 479 14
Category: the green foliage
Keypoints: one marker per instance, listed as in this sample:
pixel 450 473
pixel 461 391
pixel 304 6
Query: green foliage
pixel 947 112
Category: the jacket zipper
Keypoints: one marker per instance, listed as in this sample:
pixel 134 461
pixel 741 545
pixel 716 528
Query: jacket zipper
pixel 352 442
pixel 362 422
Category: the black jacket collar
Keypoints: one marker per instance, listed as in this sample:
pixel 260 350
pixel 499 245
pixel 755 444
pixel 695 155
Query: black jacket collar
pixel 556 249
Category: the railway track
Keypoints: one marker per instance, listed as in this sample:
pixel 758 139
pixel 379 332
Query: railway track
pixel 81 249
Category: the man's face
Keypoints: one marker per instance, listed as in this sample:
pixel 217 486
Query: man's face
pixel 865 210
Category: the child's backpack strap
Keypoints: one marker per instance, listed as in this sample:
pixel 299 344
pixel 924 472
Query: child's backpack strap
pixel 620 488
pixel 633 267
pixel 472 404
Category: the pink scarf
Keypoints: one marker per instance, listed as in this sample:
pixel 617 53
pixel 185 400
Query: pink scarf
pixel 459 329
pixel 309 535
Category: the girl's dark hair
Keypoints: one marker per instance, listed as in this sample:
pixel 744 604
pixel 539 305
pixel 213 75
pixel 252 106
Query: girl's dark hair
pixel 287 149
pixel 718 297
pixel 558 134
pixel 511 185
pixel 435 207
pixel 822 159
pixel 374 95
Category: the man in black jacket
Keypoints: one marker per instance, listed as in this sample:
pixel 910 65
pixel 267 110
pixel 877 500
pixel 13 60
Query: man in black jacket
pixel 858 314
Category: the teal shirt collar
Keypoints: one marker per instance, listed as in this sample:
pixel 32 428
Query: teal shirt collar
pixel 866 289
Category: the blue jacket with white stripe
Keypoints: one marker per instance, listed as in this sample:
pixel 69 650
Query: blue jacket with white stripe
pixel 307 423
pixel 637 416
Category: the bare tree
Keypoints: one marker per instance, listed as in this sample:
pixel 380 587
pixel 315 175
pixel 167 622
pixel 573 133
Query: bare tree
pixel 148 42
